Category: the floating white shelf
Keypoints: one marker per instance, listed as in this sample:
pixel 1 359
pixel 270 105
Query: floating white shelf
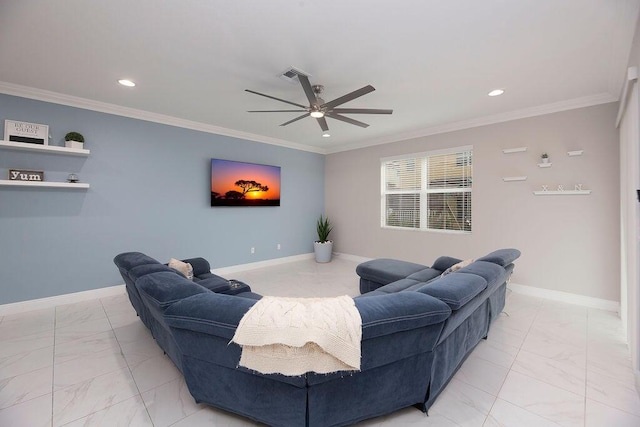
pixel 563 193
pixel 544 165
pixel 514 150
pixel 514 178
pixel 51 149
pixel 45 184
pixel 575 153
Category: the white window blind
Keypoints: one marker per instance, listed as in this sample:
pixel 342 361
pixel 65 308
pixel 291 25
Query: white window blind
pixel 428 191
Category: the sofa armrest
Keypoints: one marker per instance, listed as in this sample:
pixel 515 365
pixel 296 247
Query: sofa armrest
pixel 200 265
pixel 445 262
pixel 455 289
pixel 502 257
pixel 391 313
pixel 211 313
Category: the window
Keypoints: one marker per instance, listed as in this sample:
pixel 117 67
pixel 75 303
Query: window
pixel 428 191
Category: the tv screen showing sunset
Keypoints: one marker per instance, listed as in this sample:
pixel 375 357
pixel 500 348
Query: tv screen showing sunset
pixel 244 184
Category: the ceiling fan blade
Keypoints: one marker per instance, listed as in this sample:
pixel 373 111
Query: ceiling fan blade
pixel 348 97
pixel 296 119
pixel 311 96
pixel 275 111
pixel 346 120
pixel 277 99
pixel 323 124
pixel 361 111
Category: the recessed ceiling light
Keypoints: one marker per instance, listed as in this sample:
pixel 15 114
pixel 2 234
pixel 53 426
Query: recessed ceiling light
pixel 496 92
pixel 326 135
pixel 125 82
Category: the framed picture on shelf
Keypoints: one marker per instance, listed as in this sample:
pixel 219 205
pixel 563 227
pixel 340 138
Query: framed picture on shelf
pixel 31 133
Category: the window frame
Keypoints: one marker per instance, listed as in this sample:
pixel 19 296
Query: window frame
pixel 423 191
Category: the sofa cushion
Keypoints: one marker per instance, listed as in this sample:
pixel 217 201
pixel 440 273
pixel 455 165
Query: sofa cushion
pixel 160 290
pixel 425 275
pixel 501 257
pixel 397 286
pixel 142 270
pixel 128 260
pixel 491 272
pixel 214 283
pixel 400 311
pixel 385 270
pixel 455 289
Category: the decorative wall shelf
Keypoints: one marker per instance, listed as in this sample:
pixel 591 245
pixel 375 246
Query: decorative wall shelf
pixel 45 184
pixel 50 149
pixel 514 150
pixel 575 153
pixel 544 165
pixel 563 193
pixel 514 178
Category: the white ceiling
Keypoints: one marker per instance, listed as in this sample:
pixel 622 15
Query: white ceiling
pixel 432 62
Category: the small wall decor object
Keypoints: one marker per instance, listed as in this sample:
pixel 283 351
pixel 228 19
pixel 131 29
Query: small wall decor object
pixel 545 188
pixel 545 158
pixel 74 140
pixel 514 150
pixel 72 178
pixel 31 133
pixel 560 187
pixel 25 175
pixel 578 187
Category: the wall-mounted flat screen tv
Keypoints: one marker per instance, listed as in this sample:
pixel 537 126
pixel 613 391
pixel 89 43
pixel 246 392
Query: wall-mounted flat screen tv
pixel 244 184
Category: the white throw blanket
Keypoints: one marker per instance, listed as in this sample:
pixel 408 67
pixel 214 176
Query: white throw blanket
pixel 292 336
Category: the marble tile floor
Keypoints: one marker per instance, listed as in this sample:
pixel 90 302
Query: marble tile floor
pixel 94 364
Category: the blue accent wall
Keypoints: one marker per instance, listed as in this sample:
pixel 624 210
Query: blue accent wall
pixel 150 192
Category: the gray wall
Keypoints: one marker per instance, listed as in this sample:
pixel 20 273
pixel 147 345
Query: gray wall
pixel 149 192
pixel 568 243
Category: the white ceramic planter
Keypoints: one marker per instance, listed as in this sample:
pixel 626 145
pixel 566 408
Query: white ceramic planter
pixel 323 251
pixel 74 144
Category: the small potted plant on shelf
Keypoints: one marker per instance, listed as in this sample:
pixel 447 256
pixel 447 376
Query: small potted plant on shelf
pixel 545 158
pixel 323 247
pixel 74 140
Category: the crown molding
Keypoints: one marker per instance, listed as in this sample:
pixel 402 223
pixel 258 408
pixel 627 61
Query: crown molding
pixel 103 107
pixel 571 104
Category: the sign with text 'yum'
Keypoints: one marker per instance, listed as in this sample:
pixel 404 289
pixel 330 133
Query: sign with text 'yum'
pixel 24 175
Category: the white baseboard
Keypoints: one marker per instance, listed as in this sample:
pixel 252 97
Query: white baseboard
pixel 350 257
pixel 567 297
pixel 42 303
pixel 260 264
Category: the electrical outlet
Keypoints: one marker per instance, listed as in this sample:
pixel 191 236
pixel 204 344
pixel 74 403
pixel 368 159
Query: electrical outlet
pixel 278 246
pixel 253 250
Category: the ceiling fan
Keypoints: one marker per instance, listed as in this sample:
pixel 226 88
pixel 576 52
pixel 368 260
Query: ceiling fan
pixel 319 109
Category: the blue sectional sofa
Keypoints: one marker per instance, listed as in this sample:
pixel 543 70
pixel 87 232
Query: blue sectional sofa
pixel 415 335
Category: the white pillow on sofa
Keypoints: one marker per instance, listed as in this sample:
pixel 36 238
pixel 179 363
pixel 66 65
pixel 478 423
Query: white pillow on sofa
pixel 183 267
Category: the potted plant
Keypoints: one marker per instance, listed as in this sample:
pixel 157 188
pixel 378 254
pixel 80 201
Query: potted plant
pixel 323 247
pixel 74 140
pixel 545 158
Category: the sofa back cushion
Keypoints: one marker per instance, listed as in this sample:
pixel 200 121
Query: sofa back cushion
pixel 455 289
pixel 160 290
pixel 502 257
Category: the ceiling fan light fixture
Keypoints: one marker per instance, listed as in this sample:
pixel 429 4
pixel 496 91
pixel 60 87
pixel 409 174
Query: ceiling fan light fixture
pixel 317 114
pixel 496 92
pixel 326 135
